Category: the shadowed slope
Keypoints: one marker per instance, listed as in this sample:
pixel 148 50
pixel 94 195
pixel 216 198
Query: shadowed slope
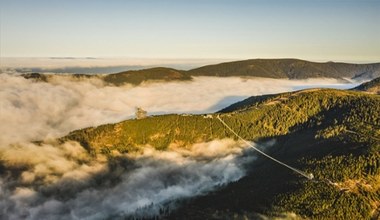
pixel 372 86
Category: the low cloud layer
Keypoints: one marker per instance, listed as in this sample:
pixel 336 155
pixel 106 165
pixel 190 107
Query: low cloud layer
pixel 62 181
pixel 37 110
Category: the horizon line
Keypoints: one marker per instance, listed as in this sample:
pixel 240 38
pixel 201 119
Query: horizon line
pixel 185 60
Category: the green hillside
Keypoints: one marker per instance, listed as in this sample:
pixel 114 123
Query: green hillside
pixel 275 116
pixel 333 134
pixel 339 145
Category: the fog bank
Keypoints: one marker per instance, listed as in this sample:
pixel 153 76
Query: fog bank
pixel 62 181
pixel 37 110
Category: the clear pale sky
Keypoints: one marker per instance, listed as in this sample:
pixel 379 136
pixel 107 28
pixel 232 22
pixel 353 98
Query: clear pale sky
pixel 321 30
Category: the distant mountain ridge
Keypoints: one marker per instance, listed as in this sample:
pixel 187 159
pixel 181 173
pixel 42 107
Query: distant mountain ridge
pixel 289 68
pixel 139 76
pixel 267 68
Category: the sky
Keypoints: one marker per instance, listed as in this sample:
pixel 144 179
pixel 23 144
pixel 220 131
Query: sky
pixel 318 30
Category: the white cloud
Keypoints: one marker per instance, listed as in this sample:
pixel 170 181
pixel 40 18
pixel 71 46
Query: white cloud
pixel 68 183
pixel 34 111
pixel 62 181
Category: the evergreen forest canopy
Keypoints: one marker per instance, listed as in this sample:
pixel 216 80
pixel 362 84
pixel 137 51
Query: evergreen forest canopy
pixel 334 134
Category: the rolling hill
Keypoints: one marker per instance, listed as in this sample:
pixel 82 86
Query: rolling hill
pixel 138 76
pixel 134 77
pixel 333 134
pixel 289 68
pixel 268 68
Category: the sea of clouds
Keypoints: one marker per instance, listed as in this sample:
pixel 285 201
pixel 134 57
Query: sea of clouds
pixel 37 110
pixel 62 181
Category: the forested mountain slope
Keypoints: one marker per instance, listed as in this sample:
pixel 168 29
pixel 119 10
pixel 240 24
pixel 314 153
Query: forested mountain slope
pixel 277 115
pixel 334 134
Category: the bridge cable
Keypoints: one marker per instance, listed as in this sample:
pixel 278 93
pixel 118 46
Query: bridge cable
pixel 309 176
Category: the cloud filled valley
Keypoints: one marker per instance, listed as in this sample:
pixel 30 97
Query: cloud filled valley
pixel 63 181
pixel 37 110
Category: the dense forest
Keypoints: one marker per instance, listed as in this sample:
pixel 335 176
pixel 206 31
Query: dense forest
pixel 334 134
